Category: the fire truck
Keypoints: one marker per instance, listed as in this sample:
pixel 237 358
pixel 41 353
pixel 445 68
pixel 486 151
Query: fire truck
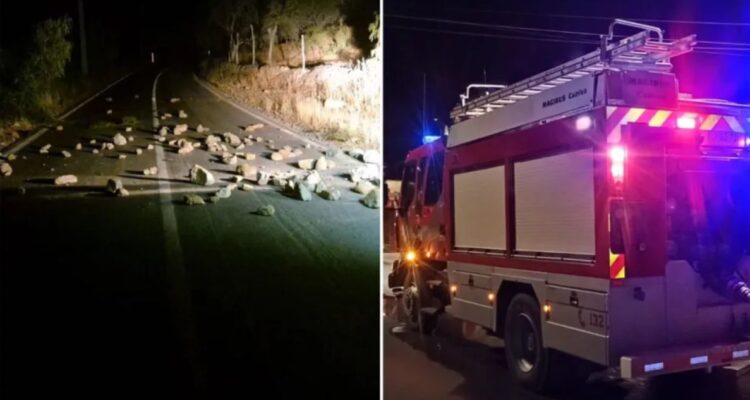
pixel 591 210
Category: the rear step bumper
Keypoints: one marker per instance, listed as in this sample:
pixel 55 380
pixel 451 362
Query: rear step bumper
pixel 683 359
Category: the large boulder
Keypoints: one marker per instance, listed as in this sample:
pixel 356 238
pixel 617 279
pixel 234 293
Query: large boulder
pixel 248 171
pixel 372 200
pixel 302 192
pixel 306 164
pixel 201 176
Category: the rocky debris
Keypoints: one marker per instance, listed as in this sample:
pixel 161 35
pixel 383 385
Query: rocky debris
pixel 307 145
pixel 182 114
pixel 185 148
pixel 131 139
pixel 92 141
pixel 196 145
pixel 21 190
pixel 6 169
pixel 370 157
pixel 331 194
pixel 173 143
pixel 163 131
pixel 122 157
pixel 109 146
pixel 366 172
pixel 372 200
pixel 194 200
pixel 238 178
pixel 123 193
pixel 166 115
pixel 128 129
pixel 95 151
pixel 150 147
pixel 229 159
pixel 108 99
pixel 253 127
pixel 162 139
pixel 200 129
pixel 249 156
pixel 138 151
pixel 248 141
pixel 232 139
pixel 45 149
pixel 312 179
pixel 240 146
pixel 263 178
pixel 119 139
pixel 246 187
pixel 11 157
pixel 79 146
pixel 363 187
pixel 201 176
pixel 150 171
pixel 247 171
pixel 66 180
pixel 174 99
pixel 276 156
pixel 302 192
pixel 113 186
pixel 266 211
pixel 214 199
pixel 321 164
pixel 109 112
pixel 306 164
pixel 59 128
pixel 280 182
pixel 180 129
pixel 212 139
pixel 259 139
pixel 66 154
pixel 224 193
pixel 332 153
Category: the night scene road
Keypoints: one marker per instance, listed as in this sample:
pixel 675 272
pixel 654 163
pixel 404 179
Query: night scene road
pixel 144 294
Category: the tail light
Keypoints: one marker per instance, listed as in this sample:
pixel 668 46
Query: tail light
pixel 617 156
pixel 686 123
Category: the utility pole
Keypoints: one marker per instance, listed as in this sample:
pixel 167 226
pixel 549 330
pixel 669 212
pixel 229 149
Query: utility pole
pixel 82 34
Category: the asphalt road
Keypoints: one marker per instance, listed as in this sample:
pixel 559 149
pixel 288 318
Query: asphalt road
pixel 453 363
pixel 144 295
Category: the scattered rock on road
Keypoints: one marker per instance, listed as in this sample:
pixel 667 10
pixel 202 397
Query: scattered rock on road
pixel 372 200
pixel 266 211
pixel 45 149
pixel 302 192
pixel 128 129
pixel 123 193
pixel 130 138
pixel 366 172
pixel 246 187
pixel 109 111
pixel 6 169
pixel 363 187
pixel 66 180
pixel 224 193
pixel 306 164
pixel 109 146
pixel 185 148
pixel 194 200
pixel 201 176
pixel 150 147
pixel 79 146
pixel 11 157
pixel 113 186
pixel 229 159
pixel 150 171
pixel 182 114
pixel 122 156
pixel 313 178
pixel 66 154
pixel 92 141
pixel 247 171
pixel 321 164
pixel 180 129
pixel 95 151
pixel 163 131
pixel 253 127
pixel 276 156
pixel 232 139
pixel 200 129
pixel 174 99
pixel 331 194
pixel 138 151
pixel 119 139
pixel 59 128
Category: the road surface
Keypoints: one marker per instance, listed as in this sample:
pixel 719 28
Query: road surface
pixel 456 364
pixel 145 295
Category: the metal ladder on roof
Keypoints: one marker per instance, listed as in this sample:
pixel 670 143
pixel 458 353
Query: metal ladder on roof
pixel 636 52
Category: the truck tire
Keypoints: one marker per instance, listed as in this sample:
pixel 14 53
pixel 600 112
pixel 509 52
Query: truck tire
pixel 414 297
pixel 528 360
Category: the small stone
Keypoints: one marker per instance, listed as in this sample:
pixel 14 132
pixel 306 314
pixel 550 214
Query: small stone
pixel 163 131
pixel 196 145
pixel 113 185
pixel 266 211
pixel 224 193
pixel 6 169
pixel 139 151
pixel 259 139
pixel 109 111
pixel 247 171
pixel 331 194
pixel 110 146
pixel 174 99
pixel 119 140
pixel 122 156
pixel 66 154
pixel 182 114
pixel 200 128
pixel 306 164
pixel 185 148
pixel 194 200
pixel 249 156
pixel 66 180
pixel 150 147
pixel 363 187
pixel 232 139
pixel 95 151
pixel 253 127
pixel 79 146
pixel 45 149
pixel 321 164
pixel 372 200
pixel 59 128
pixel 130 138
pixel 92 141
pixel 11 157
pixel 276 156
pixel 128 129
pixel 162 139
pixel 123 192
pixel 240 146
pixel 201 176
pixel 214 199
pixel 180 129
pixel 246 187
pixel 154 170
pixel 229 159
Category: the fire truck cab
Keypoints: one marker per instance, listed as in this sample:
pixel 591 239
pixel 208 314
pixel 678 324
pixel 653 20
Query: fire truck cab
pixel 590 210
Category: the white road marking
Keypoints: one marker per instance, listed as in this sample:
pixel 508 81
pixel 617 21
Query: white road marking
pixel 36 135
pixel 255 114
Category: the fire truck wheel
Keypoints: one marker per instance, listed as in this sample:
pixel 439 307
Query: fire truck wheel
pixel 528 360
pixel 413 298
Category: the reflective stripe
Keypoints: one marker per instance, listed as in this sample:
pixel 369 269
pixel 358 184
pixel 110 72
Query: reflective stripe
pixel 616 266
pixel 633 115
pixel 734 124
pixel 659 118
pixel 610 110
pixel 710 122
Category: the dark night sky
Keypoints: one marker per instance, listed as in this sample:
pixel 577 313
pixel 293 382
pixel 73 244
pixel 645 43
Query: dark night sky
pixel 452 61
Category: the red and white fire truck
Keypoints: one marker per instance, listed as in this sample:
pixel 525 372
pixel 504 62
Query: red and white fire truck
pixel 583 212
